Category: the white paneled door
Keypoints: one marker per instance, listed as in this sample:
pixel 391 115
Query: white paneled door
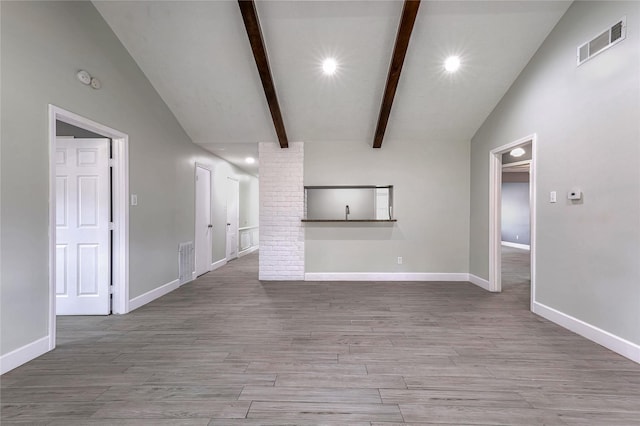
pixel 204 228
pixel 233 189
pixel 82 227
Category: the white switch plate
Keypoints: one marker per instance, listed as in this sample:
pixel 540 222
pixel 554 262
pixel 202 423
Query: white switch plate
pixel 399 260
pixel 134 200
pixel 553 197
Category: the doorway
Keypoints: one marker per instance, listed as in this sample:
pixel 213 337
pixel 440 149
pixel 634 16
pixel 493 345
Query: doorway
pixel 82 171
pixel 204 227
pixel 233 196
pixel 519 157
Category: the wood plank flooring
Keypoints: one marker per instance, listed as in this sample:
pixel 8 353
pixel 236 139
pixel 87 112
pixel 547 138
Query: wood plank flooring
pixel 230 350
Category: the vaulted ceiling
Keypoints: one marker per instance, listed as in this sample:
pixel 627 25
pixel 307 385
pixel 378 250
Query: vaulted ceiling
pixel 198 57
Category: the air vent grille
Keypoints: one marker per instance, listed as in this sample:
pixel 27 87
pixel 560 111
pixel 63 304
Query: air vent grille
pixel 616 32
pixel 606 39
pixel 186 262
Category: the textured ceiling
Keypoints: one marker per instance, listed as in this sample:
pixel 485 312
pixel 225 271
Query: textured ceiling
pixel 197 56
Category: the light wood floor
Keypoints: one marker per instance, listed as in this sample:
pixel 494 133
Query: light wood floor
pixel 229 350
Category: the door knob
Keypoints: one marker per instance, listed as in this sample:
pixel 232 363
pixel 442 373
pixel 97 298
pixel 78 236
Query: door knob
pixel 210 226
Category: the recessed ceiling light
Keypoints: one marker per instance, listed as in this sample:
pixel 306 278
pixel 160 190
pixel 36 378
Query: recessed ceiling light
pixel 329 66
pixel 452 63
pixel 250 160
pixel 517 152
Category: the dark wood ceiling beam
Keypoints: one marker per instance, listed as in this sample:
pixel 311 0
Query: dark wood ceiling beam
pixel 252 25
pixel 409 13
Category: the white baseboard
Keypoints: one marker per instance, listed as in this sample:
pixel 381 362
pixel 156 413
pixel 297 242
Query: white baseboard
pixel 516 245
pixel 24 354
pixel 610 341
pixel 247 251
pixel 384 276
pixel 480 282
pixel 152 295
pixel 218 264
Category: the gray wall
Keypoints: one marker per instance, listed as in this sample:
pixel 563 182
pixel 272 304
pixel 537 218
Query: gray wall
pixel 66 129
pixel 515 212
pixel 43 44
pixel 431 203
pixel 584 117
pixel 248 202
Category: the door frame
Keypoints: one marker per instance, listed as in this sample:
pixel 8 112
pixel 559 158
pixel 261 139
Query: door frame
pixel 195 207
pixel 229 178
pixel 120 197
pixel 495 214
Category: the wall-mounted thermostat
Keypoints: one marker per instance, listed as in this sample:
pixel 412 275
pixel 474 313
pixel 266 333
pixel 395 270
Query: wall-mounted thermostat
pixel 574 194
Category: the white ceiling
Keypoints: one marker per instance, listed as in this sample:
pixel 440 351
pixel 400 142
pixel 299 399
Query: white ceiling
pixel 198 57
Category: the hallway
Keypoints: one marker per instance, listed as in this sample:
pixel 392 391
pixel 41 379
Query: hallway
pixel 516 274
pixel 227 349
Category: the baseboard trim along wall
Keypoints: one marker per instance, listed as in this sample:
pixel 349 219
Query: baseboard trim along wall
pixel 384 276
pixel 247 251
pixel 22 355
pixel 480 282
pixel 610 341
pixel 516 245
pixel 152 295
pixel 218 264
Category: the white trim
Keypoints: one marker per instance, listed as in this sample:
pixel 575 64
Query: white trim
pixel 218 264
pixel 247 251
pixel 22 355
pixel 226 230
pixel 495 197
pixel 516 245
pixel 152 295
pixel 610 341
pixel 384 276
pixel 516 163
pixel 120 193
pixel 480 282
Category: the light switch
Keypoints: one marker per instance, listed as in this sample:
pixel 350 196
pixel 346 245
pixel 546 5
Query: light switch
pixel 553 197
pixel 134 200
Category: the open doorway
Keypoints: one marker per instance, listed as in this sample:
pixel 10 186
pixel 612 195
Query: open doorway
pixel 512 218
pixel 88 218
pixel 515 222
pixel 233 218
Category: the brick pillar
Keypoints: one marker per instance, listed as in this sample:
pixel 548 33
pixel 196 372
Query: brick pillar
pixel 281 209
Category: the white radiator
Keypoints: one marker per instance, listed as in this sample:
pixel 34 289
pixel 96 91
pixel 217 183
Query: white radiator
pixel 186 262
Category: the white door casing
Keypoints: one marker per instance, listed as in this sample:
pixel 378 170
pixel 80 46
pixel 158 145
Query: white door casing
pixel 82 227
pixel 204 228
pixel 233 189
pixel 495 219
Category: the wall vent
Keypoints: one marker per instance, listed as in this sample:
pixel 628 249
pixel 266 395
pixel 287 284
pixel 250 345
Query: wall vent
pixel 606 39
pixel 186 262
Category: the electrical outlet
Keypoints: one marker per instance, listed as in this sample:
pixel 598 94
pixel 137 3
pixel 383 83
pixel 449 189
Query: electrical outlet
pixel 399 260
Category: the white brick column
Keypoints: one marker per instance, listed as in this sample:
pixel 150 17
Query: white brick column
pixel 281 211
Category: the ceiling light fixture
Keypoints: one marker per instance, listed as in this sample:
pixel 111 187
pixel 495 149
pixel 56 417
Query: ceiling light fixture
pixel 517 152
pixel 452 63
pixel 250 160
pixel 329 66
